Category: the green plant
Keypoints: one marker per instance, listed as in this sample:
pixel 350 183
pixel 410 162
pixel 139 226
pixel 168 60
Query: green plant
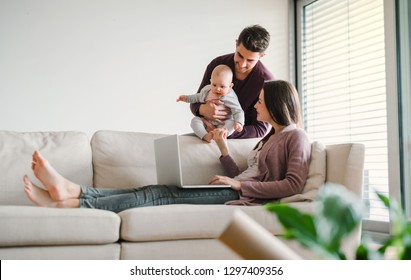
pixel 337 213
pixel 400 239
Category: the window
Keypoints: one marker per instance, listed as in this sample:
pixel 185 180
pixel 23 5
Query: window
pixel 342 80
pixel 404 52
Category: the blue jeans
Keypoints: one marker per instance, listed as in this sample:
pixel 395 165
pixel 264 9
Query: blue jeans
pixel 118 200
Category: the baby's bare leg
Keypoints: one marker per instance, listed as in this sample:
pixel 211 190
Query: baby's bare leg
pixel 58 187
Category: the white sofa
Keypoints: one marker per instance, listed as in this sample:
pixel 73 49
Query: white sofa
pixel 126 159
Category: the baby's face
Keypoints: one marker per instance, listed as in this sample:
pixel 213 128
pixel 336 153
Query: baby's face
pixel 220 85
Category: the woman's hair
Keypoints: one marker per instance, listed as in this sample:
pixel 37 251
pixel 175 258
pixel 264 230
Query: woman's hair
pixel 283 104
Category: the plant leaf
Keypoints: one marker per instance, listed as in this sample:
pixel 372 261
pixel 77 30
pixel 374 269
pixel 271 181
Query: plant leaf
pixel 362 253
pixel 297 224
pixel 339 213
pixel 384 199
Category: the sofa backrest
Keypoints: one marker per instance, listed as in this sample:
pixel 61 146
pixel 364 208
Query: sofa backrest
pixel 126 159
pixel 341 164
pixel 68 152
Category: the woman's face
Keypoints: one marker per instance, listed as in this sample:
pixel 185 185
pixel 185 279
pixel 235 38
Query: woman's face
pixel 262 111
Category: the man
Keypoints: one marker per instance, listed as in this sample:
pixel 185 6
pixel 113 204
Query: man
pixel 249 76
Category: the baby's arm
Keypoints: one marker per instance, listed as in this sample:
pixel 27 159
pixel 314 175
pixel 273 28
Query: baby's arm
pixel 238 126
pixel 231 101
pixel 193 98
pixel 182 98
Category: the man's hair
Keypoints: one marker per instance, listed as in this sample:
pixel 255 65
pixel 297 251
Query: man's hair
pixel 254 38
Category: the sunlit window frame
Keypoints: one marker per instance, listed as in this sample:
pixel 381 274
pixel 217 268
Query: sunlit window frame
pixel 403 22
pixel 392 102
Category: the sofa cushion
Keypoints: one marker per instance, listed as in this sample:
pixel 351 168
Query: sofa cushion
pixel 195 249
pixel 72 252
pixel 173 222
pixel 68 152
pixel 316 175
pixel 123 159
pixel 35 226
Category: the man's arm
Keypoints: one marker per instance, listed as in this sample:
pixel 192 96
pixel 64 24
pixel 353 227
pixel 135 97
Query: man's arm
pixel 195 109
pixel 257 130
pixel 252 127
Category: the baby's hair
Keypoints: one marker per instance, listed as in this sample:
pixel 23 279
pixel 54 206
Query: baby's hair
pixel 222 69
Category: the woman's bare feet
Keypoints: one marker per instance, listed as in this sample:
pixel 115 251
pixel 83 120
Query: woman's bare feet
pixel 58 187
pixel 37 195
pixel 42 198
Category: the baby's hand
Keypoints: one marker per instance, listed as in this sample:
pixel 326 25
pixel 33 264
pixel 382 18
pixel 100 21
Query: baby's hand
pixel 182 98
pixel 238 127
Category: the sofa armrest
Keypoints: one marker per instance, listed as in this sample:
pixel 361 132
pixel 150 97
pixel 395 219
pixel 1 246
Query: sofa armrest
pixel 345 166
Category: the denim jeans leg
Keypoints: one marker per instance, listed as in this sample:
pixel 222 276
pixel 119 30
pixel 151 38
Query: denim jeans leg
pixel 157 195
pixel 90 192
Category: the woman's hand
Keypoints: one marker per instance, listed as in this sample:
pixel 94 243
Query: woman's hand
pixel 224 180
pixel 220 137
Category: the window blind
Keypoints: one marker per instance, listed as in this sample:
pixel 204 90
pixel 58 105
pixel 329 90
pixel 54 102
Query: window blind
pixel 344 84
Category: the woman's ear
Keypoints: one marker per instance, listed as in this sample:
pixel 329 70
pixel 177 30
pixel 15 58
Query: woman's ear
pixel 231 85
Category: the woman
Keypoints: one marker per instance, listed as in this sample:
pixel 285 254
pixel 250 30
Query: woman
pixel 278 167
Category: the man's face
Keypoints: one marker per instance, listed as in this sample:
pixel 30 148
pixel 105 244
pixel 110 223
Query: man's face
pixel 245 60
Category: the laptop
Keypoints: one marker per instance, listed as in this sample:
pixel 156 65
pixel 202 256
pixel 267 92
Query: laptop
pixel 168 164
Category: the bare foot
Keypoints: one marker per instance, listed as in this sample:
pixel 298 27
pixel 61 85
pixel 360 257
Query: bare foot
pixel 57 186
pixel 37 195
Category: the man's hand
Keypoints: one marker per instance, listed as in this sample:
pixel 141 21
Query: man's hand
pixel 208 126
pixel 212 110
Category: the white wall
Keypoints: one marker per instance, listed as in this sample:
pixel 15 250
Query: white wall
pixel 120 64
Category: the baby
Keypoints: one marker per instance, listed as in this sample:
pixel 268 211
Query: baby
pixel 220 87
